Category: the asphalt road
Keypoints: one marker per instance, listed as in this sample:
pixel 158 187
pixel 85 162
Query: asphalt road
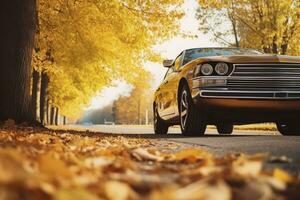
pixel 240 141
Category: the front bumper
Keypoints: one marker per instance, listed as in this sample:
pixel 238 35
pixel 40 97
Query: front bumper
pixel 216 87
pixel 246 105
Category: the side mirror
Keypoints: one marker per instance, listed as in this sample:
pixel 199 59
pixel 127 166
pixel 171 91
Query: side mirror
pixel 168 63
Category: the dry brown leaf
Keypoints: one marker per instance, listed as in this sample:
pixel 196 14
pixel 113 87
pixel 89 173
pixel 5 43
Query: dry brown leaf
pixel 11 166
pixel 201 190
pixel 254 190
pixel 247 166
pixel 282 175
pixel 191 155
pixel 115 190
pixel 53 167
pixel 75 194
pixel 95 162
pixel 143 154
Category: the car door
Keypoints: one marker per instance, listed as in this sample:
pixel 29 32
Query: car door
pixel 169 89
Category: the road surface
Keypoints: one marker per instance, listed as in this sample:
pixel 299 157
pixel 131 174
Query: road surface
pixel 240 141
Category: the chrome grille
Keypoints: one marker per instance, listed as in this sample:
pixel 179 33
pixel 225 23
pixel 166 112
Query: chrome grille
pixel 265 76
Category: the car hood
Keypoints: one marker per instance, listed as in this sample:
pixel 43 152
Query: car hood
pixel 265 58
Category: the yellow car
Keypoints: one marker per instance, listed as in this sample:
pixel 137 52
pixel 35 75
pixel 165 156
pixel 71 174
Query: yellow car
pixel 228 86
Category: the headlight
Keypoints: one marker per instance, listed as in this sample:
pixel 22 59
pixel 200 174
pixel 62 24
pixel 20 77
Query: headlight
pixel 207 69
pixel 222 69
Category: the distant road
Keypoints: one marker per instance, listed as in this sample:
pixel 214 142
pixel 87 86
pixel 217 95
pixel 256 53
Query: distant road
pixel 240 141
pixel 143 129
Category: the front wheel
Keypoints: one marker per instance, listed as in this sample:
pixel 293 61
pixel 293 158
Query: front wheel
pixel 288 129
pixel 192 123
pixel 160 126
pixel 225 129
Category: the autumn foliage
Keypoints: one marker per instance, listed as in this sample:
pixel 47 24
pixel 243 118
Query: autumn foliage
pixel 44 164
pixel 269 25
pixel 82 46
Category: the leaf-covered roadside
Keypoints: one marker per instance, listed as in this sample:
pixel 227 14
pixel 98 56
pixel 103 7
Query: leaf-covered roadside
pixel 43 164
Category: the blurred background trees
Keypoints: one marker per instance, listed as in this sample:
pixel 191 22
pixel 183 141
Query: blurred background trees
pixel 269 25
pixel 82 46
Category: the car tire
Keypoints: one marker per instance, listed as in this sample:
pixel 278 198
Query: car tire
pixel 225 129
pixel 288 129
pixel 192 122
pixel 160 126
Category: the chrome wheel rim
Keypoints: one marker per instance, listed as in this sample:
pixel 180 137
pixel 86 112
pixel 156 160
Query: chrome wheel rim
pixel 183 109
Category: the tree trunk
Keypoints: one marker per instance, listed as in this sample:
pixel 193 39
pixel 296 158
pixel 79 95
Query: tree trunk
pixel 64 120
pixel 284 48
pixel 17 20
pixel 52 115
pixel 139 111
pixel 274 45
pixel 35 97
pixel 43 98
pixel 48 110
pixel 56 116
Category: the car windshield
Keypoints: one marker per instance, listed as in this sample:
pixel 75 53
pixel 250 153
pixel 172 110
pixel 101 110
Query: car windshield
pixel 193 54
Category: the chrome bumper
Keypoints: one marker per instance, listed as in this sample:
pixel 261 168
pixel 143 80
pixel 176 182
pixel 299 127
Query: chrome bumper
pixel 246 94
pixel 222 87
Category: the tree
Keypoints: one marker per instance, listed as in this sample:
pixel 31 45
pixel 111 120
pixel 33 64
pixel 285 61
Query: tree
pixel 219 19
pixel 132 109
pixel 17 19
pixel 82 46
pixel 269 25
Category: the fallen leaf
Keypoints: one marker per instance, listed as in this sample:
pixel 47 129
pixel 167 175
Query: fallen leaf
pixel 74 194
pixel 191 155
pixel 282 175
pixel 11 166
pixel 254 190
pixel 53 167
pixel 115 190
pixel 143 154
pixel 247 166
pixel 95 162
pixel 201 190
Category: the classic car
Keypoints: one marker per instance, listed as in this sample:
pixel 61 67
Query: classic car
pixel 226 87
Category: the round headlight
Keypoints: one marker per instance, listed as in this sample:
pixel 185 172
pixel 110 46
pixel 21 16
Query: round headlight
pixel 222 69
pixel 207 69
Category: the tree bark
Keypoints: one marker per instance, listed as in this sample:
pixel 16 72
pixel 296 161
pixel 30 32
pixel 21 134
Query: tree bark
pixel 56 116
pixel 47 120
pixel 18 23
pixel 43 98
pixel 52 115
pixel 274 45
pixel 65 120
pixel 139 111
pixel 35 97
pixel 47 115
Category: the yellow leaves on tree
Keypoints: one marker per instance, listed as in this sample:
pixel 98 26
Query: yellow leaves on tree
pixel 87 44
pixel 269 25
pixel 134 108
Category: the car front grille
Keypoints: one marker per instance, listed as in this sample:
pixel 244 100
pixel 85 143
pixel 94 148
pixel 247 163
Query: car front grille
pixel 265 76
pixel 269 81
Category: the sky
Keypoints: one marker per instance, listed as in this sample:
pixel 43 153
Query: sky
pixel 169 50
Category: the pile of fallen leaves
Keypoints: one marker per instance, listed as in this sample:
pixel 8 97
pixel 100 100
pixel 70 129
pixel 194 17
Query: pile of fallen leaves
pixel 44 164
